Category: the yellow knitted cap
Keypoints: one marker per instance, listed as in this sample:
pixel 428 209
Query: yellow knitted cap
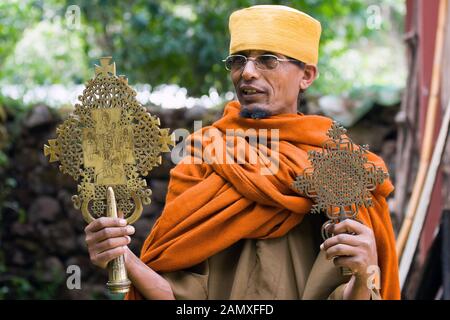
pixel 277 29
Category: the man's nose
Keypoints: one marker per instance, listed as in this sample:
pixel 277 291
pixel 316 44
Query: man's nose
pixel 250 72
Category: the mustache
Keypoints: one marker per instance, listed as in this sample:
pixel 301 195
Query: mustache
pixel 254 113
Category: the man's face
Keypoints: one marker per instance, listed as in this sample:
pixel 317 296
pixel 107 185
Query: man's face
pixel 277 90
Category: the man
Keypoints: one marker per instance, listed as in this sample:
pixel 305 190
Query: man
pixel 229 232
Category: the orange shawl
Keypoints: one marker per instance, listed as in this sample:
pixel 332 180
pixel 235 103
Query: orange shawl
pixel 210 206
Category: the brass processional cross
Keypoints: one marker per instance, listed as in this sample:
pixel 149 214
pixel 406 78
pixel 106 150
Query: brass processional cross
pixel 340 179
pixel 108 144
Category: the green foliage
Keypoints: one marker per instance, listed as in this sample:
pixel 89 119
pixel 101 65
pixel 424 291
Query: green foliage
pixel 15 17
pixel 65 64
pixel 42 50
pixel 19 288
pixel 178 42
pixel 183 42
pixel 187 48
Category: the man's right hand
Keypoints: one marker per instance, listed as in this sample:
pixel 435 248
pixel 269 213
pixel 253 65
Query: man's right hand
pixel 106 239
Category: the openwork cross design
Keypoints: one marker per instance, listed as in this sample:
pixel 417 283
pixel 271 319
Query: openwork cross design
pixel 110 140
pixel 340 179
pixel 105 69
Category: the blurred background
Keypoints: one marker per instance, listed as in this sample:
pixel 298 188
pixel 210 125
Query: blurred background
pixel 380 62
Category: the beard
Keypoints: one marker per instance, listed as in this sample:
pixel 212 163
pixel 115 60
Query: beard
pixel 254 113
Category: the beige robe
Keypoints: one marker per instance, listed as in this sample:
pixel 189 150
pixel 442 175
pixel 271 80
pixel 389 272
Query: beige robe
pixel 290 267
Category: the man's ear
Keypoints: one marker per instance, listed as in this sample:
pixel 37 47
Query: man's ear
pixel 310 74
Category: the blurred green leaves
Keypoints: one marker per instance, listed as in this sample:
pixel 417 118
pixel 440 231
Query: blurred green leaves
pixel 182 42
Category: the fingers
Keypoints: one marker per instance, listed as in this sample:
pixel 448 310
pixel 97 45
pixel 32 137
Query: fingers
pixel 107 238
pixel 111 243
pixel 342 238
pixel 348 262
pixel 352 245
pixel 105 222
pixel 340 250
pixel 107 233
pixel 348 226
pixel 102 259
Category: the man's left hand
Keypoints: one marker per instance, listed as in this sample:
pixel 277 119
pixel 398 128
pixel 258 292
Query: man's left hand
pixel 352 246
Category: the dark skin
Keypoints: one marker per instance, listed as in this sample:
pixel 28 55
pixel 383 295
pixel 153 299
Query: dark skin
pixel 108 238
pixel 280 87
pixel 353 246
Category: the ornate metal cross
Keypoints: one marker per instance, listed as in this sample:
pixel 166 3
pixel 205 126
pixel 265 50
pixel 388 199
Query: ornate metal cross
pixel 108 144
pixel 105 69
pixel 52 150
pixel 340 178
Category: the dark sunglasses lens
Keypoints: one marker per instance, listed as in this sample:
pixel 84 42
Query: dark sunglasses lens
pixel 267 62
pixel 234 62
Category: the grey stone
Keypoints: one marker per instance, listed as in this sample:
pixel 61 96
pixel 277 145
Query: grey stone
pixel 154 209
pixel 159 190
pixel 195 113
pixel 143 227
pixel 44 209
pixel 18 258
pixel 52 269
pixel 40 115
pixel 22 229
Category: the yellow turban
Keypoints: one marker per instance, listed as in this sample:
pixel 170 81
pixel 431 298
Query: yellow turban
pixel 277 29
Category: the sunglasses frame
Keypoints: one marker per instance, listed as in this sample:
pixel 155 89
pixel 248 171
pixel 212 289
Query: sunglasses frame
pixel 255 59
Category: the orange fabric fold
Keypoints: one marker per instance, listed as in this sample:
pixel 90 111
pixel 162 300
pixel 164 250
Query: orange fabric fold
pixel 211 205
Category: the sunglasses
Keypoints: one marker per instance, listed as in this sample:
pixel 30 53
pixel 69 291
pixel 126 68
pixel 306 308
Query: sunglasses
pixel 263 62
